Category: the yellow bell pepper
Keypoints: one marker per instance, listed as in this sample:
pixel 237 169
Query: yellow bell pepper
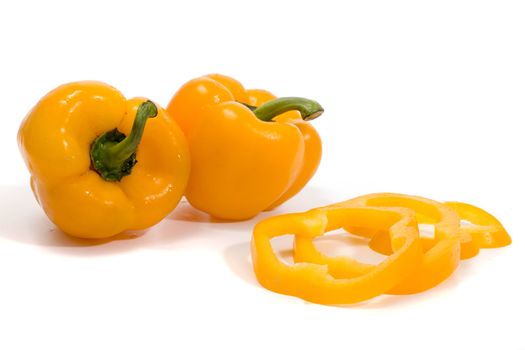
pixel 312 144
pixel 249 151
pixel 96 168
pixel 314 281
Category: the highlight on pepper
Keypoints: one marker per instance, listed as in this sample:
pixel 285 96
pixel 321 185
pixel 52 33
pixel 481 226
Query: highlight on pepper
pixel 101 164
pixel 413 264
pixel 250 151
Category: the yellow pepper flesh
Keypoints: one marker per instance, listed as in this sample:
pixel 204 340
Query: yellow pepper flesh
pixel 315 281
pixel 439 261
pixel 441 253
pixel 485 230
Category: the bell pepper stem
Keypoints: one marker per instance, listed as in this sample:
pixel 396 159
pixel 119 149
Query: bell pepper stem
pixel 123 150
pixel 113 154
pixel 250 107
pixel 309 109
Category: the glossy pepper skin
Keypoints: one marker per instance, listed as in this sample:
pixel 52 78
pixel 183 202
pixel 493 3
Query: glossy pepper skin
pixel 242 165
pixel 57 140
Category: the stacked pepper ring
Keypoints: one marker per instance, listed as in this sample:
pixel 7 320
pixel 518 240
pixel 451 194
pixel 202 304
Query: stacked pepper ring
pixel 442 257
pixel 485 230
pixel 315 282
pixel 432 260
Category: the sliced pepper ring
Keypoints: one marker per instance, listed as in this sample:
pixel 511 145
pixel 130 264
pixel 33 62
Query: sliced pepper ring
pixel 315 281
pixel 485 230
pixel 441 256
pixel 469 247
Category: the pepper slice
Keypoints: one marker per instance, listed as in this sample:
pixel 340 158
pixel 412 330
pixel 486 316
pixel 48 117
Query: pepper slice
pixel 485 230
pixel 317 281
pixel 469 247
pixel 442 253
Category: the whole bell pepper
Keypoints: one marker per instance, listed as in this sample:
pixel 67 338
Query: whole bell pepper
pixel 250 151
pixel 99 165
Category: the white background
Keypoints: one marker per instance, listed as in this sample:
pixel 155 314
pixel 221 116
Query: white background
pixel 421 97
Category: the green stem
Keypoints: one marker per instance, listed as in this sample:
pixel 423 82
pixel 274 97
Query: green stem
pixel 113 154
pixel 309 109
pixel 250 107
